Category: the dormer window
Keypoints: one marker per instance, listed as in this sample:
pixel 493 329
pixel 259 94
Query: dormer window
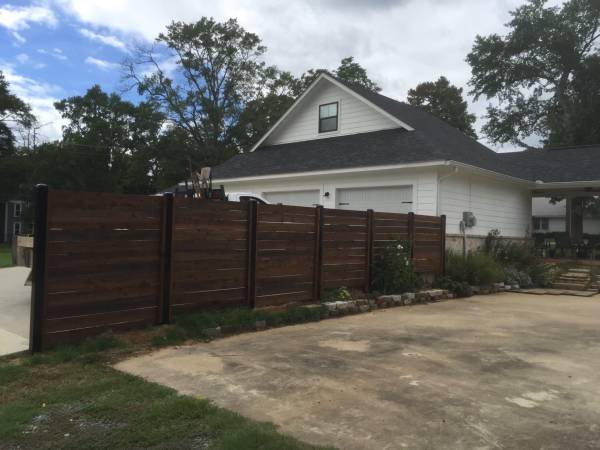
pixel 328 117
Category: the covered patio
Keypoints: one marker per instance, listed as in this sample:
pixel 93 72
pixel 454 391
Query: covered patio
pixel 571 241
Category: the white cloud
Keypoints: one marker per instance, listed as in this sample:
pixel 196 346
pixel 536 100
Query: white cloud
pixel 101 64
pixel 55 52
pixel 18 37
pixel 22 58
pixel 19 17
pixel 41 97
pixel 112 41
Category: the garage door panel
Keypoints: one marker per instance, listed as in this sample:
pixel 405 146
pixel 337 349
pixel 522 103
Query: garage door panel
pixel 296 198
pixel 393 199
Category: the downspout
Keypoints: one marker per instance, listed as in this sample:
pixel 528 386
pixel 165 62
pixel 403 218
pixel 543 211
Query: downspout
pixel 438 194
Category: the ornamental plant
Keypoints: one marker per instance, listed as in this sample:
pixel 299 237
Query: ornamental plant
pixel 393 272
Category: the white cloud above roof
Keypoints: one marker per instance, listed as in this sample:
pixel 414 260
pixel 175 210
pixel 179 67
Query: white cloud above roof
pixel 101 64
pixel 20 17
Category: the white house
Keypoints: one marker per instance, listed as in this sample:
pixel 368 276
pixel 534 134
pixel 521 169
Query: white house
pixel 343 146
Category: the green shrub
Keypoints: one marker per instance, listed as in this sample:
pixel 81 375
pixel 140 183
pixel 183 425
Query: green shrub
pixel 477 268
pixel 393 272
pixel 336 294
pixel 520 259
pixel 515 276
pixel 458 288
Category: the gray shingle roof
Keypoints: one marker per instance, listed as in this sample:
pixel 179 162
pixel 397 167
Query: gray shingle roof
pixel 432 140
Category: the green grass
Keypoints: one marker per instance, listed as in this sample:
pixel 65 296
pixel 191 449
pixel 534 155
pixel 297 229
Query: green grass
pixel 5 255
pixel 65 399
pixel 235 320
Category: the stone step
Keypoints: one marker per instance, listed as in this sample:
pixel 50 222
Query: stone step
pixel 574 277
pixel 580 270
pixel 570 286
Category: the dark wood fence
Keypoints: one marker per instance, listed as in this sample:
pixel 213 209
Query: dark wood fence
pixel 107 261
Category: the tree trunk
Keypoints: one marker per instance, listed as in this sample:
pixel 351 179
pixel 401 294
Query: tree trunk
pixel 575 218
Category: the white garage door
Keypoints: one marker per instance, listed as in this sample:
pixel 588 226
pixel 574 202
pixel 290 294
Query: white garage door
pixel 396 199
pixel 297 198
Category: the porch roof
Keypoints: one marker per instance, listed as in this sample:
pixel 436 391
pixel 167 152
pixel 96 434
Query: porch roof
pixel 556 165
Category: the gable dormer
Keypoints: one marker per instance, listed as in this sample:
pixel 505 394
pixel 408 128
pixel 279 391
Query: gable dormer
pixel 328 109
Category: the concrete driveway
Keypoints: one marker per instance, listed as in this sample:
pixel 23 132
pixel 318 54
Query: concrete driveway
pixel 503 371
pixel 15 306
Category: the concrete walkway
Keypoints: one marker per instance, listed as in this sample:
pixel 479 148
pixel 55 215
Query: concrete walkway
pixel 506 371
pixel 15 304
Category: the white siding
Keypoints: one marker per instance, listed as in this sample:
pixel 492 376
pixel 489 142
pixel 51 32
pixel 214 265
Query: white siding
pixel 496 204
pixel 354 116
pixel 423 182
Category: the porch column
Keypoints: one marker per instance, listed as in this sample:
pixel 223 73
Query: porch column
pixel 574 218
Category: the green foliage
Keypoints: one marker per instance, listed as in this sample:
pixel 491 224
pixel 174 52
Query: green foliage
pixel 71 405
pixel 544 74
pixel 88 351
pixel 348 70
pixel 520 261
pixel 14 113
pixel 5 255
pixel 458 288
pixel 393 272
pixel 477 268
pixel 445 101
pixel 218 71
pixel 336 294
pixel 233 320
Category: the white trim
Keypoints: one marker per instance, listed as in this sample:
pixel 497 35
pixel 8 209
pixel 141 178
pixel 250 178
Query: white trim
pixel 333 171
pixel 345 89
pixel 14 233
pixel 490 172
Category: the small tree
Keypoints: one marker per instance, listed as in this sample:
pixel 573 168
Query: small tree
pixel 445 101
pixel 393 272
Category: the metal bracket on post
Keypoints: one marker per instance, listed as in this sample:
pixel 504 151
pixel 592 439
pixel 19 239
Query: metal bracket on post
pixel 38 279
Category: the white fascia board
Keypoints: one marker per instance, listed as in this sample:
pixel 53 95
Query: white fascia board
pixel 490 173
pixel 334 171
pixel 567 184
pixel 323 75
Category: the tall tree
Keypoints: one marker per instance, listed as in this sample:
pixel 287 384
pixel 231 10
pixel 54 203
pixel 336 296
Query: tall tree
pixel 110 139
pixel 13 112
pixel 445 101
pixel 348 70
pixel 218 71
pixel 543 74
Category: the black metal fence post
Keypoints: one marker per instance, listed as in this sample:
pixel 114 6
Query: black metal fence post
pixel 38 279
pixel 411 233
pixel 166 258
pixel 252 221
pixel 318 260
pixel 443 244
pixel 369 262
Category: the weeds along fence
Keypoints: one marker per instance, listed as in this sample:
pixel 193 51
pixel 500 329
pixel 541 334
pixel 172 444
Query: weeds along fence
pixel 108 261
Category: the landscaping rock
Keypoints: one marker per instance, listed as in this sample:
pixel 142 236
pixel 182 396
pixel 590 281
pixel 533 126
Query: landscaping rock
pixel 449 295
pixel 397 300
pixel 260 325
pixel 372 304
pixel 421 297
pixel 475 290
pixel 213 332
pixel 408 298
pixel 364 308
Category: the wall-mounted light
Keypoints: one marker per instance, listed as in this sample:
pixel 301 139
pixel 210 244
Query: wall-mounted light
pixel 326 194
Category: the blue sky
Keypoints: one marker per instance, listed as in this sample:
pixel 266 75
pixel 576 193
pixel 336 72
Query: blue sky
pixel 52 49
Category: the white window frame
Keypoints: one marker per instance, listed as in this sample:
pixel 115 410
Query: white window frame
pixel 17 209
pixel 15 226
